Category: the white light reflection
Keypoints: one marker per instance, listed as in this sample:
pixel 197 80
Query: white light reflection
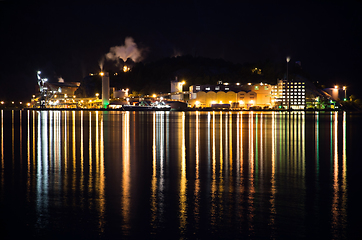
pixel 158 178
pixel 42 169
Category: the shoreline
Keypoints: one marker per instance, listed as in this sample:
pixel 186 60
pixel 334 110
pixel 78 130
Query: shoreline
pixel 183 110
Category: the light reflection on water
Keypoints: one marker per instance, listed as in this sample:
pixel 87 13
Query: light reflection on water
pixel 252 174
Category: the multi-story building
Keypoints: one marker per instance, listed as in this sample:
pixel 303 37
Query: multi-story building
pixel 289 94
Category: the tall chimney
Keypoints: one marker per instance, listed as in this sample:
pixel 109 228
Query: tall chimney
pixel 105 90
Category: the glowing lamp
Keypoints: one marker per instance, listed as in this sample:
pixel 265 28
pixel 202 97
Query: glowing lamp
pixel 101 73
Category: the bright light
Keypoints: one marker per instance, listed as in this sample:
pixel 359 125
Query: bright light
pixel 237 84
pixel 288 59
pixel 336 86
pixel 249 84
pixel 12 102
pixel 161 98
pixel 97 94
pixel 183 82
pixel 39 72
pixel 2 102
pixel 125 68
pixel 213 102
pixel 101 73
pixel 226 83
pixel 252 101
pixel 154 95
pixel 21 102
pixel 220 102
pixel 65 95
pixel 28 104
pixel 344 87
pixel 241 102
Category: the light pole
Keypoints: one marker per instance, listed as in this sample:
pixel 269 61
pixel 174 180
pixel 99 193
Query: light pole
pixel 288 87
pixel 345 93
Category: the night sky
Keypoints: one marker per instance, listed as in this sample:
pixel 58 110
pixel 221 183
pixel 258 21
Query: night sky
pixel 69 40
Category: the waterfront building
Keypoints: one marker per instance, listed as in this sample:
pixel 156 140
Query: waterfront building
pixel 231 95
pixel 289 94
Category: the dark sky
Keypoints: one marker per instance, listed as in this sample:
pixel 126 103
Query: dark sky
pixel 69 40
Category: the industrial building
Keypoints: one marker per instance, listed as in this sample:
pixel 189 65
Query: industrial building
pixel 231 95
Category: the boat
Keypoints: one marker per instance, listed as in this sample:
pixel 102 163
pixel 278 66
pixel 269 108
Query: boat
pixel 145 106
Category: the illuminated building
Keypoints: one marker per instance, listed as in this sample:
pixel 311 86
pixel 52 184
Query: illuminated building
pixel 176 87
pixel 234 95
pixel 290 94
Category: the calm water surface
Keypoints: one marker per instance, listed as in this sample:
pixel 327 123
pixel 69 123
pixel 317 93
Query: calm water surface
pixel 179 175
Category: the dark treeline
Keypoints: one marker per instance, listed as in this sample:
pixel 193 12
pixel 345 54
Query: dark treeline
pixel 155 77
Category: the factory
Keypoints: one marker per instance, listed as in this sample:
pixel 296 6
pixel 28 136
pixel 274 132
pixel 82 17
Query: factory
pixel 284 95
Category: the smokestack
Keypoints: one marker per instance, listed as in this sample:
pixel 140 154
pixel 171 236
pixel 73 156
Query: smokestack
pixel 105 89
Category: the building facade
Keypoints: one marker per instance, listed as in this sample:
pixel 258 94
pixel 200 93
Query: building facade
pixel 235 95
pixel 289 94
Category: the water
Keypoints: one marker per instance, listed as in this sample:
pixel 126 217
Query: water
pixel 179 175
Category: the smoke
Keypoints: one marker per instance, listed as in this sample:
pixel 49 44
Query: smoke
pixel 176 53
pixel 101 63
pixel 128 50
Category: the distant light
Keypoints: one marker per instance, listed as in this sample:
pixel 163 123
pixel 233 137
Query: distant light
pixel 344 87
pixel 154 95
pixel 237 84
pixel 28 104
pixel 288 59
pixel 39 72
pixel 336 86
pixel 249 84
pixel 226 83
pixel 2 102
pixel 12 102
pixel 101 73
pixel 20 102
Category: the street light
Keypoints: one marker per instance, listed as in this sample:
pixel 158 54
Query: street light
pixel 288 93
pixel 345 93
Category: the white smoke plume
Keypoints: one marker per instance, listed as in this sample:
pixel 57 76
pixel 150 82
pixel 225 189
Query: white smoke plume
pixel 128 50
pixel 101 63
